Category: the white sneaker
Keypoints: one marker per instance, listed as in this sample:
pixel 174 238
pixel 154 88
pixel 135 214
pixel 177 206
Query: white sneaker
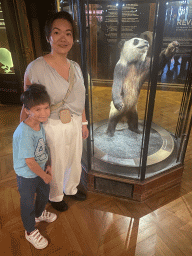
pixel 46 216
pixel 36 239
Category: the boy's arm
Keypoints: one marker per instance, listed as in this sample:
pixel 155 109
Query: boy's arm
pixel 35 167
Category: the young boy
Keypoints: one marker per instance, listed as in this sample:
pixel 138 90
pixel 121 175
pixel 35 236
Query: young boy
pixel 30 158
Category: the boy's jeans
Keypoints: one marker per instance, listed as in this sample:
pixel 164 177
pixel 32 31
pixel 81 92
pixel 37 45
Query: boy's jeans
pixel 32 207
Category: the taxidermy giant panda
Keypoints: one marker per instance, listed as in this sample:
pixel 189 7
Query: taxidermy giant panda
pixel 130 72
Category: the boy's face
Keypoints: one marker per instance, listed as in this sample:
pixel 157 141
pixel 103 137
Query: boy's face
pixel 39 113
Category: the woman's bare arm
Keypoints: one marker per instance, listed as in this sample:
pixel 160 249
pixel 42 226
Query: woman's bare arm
pixel 85 131
pixel 27 83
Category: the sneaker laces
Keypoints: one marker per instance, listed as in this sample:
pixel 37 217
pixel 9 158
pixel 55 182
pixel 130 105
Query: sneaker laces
pixel 36 235
pixel 45 214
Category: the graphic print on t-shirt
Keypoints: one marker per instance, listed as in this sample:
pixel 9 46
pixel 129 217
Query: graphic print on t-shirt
pixel 40 153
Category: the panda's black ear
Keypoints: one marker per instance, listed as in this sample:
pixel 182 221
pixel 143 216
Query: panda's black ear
pixel 147 35
pixel 121 43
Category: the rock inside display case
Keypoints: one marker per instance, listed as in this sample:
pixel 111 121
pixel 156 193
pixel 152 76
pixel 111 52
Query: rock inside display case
pixel 136 61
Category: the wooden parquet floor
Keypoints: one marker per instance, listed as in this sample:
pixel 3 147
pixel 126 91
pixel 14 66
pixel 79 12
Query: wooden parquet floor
pixel 103 225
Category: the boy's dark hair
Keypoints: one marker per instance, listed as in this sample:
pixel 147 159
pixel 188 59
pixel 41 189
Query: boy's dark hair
pixel 59 15
pixel 35 95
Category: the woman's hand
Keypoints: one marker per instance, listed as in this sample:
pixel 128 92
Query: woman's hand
pixel 47 178
pixel 48 170
pixel 85 132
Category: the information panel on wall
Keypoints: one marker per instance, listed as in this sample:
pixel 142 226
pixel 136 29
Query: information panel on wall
pixel 122 20
pixel 134 20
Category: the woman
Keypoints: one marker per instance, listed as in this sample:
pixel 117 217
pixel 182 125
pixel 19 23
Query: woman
pixel 58 73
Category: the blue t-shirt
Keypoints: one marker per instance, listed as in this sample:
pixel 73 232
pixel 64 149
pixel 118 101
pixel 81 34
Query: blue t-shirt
pixel 28 143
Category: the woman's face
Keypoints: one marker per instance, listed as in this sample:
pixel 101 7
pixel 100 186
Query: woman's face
pixel 61 36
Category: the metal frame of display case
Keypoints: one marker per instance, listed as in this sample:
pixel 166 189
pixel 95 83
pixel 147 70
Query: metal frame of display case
pixel 144 187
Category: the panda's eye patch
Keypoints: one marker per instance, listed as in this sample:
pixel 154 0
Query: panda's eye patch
pixel 136 41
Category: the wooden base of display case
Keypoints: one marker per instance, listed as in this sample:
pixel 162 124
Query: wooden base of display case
pixel 128 188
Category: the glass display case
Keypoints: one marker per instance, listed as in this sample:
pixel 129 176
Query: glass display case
pixel 16 49
pixel 137 65
pixel 7 71
pixel 6 62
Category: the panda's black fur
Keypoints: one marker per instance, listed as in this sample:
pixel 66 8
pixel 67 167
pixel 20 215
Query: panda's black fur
pixel 130 73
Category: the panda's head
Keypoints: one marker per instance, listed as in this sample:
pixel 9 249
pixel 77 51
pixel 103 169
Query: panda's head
pixel 134 50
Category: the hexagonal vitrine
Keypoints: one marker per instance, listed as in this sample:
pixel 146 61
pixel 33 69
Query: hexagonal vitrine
pixel 136 62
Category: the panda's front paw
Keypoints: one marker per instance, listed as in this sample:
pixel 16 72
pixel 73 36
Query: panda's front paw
pixel 119 106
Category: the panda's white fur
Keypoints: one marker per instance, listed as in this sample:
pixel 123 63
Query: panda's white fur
pixel 130 73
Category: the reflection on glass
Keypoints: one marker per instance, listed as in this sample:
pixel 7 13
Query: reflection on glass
pixel 6 62
pixel 178 27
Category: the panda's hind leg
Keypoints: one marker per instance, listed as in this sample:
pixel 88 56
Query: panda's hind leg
pixel 114 117
pixel 132 120
pixel 112 123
